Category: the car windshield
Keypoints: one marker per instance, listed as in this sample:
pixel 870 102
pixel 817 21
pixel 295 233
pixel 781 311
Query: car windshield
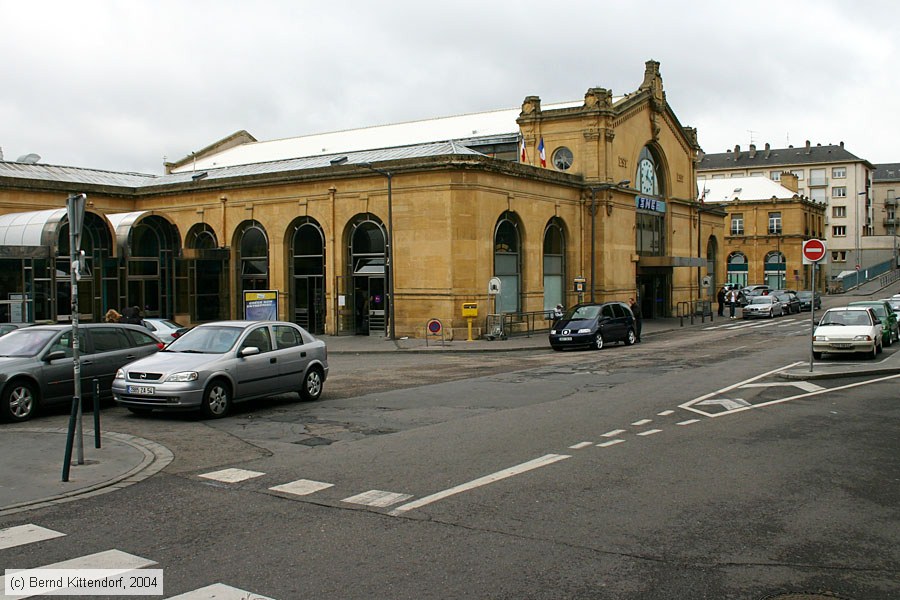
pixel 846 317
pixel 207 340
pixel 25 342
pixel 582 312
pixel 761 300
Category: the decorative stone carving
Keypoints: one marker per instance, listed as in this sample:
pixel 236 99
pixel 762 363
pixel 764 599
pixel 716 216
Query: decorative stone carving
pixel 531 105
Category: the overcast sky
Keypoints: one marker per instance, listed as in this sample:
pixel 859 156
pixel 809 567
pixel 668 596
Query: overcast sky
pixel 121 85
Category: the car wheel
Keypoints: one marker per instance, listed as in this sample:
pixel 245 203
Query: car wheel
pixel 312 385
pixel 890 339
pixel 20 401
pixel 630 337
pixel 216 400
pixel 597 344
pixel 817 355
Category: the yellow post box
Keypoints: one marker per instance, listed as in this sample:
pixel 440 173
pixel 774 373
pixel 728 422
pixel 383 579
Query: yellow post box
pixel 470 312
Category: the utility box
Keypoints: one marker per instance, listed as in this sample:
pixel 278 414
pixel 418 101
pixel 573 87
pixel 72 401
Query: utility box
pixel 470 309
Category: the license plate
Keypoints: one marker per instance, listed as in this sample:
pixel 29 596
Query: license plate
pixel 842 345
pixel 141 389
pixel 567 338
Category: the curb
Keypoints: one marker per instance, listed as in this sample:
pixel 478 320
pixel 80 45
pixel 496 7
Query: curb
pixel 839 374
pixel 156 458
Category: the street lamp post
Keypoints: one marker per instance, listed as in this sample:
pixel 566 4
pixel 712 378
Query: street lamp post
pixel 593 211
pixel 389 247
pixel 858 235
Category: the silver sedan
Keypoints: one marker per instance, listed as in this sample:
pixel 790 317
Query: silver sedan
pixel 216 364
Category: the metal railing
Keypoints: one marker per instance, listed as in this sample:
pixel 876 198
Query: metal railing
pixel 694 308
pixel 503 325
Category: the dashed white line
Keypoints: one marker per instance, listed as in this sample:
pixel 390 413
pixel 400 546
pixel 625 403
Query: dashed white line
pixel 231 475
pixel 25 534
pixel 301 487
pixel 642 422
pixel 580 445
pixel 650 432
pixel 543 461
pixel 609 443
pixel 665 413
pixel 613 433
pixel 689 422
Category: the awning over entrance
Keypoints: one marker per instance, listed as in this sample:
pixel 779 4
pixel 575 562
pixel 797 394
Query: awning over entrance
pixel 36 228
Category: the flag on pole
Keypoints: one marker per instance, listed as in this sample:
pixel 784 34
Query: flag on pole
pixel 541 152
pixel 523 157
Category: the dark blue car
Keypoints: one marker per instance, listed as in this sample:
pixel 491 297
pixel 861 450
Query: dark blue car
pixel 593 325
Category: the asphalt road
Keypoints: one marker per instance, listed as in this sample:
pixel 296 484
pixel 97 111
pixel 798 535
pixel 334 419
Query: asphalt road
pixel 682 467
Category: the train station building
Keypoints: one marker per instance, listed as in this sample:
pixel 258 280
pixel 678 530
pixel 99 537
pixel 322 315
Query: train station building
pixel 378 231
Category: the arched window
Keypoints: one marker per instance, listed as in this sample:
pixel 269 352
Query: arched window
pixel 308 275
pixel 554 265
pixel 737 269
pixel 507 262
pixel 774 269
pixel 202 237
pixel 253 260
pixel 367 242
pixel 650 217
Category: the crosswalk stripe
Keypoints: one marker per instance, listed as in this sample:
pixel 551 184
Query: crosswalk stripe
pixel 231 475
pixel 219 591
pixel 301 487
pixel 377 498
pixel 25 534
pixel 108 559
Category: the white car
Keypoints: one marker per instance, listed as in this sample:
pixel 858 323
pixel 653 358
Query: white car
pixel 166 330
pixel 846 330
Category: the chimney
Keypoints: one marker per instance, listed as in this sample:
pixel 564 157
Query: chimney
pixel 789 180
pixel 752 150
pixel 737 152
pixel 807 147
pixel 842 143
pixel 768 150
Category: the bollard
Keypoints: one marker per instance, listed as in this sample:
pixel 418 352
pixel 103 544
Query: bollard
pixel 70 439
pixel 96 413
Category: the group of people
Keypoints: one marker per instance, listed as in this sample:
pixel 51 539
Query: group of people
pixel 129 314
pixel 731 296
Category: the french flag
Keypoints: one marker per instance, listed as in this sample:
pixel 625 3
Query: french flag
pixel 523 156
pixel 541 152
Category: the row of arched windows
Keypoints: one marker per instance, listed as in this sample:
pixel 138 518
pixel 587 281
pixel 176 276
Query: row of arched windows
pixel 774 268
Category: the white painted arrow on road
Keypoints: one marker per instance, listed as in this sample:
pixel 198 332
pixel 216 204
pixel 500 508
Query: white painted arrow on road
pixel 726 403
pixel 806 386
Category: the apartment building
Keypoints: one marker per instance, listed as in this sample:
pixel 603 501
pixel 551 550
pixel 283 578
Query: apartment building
pixel 885 184
pixel 855 231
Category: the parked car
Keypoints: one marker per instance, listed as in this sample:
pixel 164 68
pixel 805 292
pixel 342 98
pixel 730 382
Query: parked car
pixel 895 305
pixel 751 291
pixel 217 364
pixel 808 298
pixel 37 366
pixel 7 327
pixel 788 300
pixel 846 330
pixel 885 314
pixel 593 325
pixel 166 330
pixel 763 306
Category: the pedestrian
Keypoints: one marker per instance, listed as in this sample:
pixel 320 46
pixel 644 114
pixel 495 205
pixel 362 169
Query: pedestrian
pixel 720 298
pixel 112 316
pixel 558 312
pixel 732 297
pixel 132 315
pixel 636 311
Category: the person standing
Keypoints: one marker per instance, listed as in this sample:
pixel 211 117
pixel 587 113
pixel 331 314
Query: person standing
pixel 720 298
pixel 636 311
pixel 732 302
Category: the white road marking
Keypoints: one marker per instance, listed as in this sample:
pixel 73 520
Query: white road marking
pixel 301 487
pixel 803 385
pixel 689 422
pixel 689 404
pixel 580 445
pixel 650 432
pixel 231 475
pixel 122 562
pixel 665 413
pixel 25 534
pixel 543 461
pixel 219 591
pixel 609 443
pixel 613 433
pixel 377 498
pixel 642 422
pixel 726 403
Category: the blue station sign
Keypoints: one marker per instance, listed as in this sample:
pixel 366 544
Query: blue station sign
pixel 653 204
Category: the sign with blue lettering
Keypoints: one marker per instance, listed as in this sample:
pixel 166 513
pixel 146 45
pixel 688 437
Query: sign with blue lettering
pixel 261 305
pixel 643 203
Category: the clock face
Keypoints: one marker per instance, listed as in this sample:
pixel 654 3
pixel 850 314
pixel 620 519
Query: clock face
pixel 647 177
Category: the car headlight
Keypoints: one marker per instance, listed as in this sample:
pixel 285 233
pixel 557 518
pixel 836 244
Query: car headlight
pixel 552 332
pixel 584 330
pixel 183 376
pixel 120 373
pixel 862 338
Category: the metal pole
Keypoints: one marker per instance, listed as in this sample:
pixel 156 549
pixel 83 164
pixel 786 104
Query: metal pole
pixel 812 315
pixel 76 358
pixel 593 227
pixel 390 256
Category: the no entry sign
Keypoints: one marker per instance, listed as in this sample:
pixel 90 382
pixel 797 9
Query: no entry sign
pixel 813 250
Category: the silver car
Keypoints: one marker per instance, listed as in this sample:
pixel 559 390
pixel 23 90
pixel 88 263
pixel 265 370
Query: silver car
pixel 216 364
pixel 763 306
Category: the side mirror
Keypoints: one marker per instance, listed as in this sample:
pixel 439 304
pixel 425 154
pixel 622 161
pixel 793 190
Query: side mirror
pixel 55 355
pixel 248 351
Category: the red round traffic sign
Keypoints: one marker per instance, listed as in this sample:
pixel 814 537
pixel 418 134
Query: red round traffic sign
pixel 814 250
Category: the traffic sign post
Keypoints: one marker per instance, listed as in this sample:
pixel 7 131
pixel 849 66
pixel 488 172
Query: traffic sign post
pixel 814 251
